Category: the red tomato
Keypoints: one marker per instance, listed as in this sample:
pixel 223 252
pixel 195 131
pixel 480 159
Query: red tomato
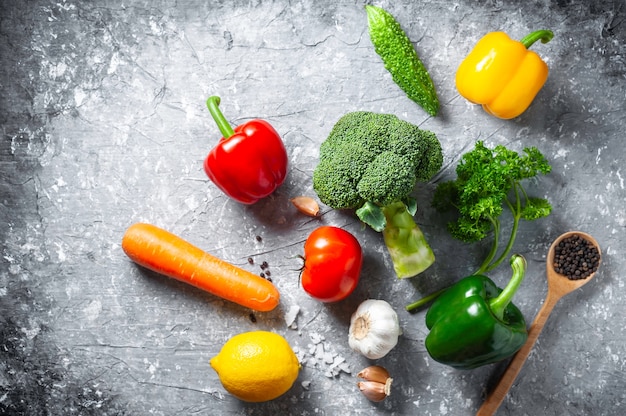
pixel 332 264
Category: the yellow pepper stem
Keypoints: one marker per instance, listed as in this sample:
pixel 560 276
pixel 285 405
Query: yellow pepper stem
pixel 544 35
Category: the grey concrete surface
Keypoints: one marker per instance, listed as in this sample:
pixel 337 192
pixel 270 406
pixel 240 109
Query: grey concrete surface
pixel 103 117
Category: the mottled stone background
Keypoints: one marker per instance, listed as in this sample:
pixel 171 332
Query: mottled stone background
pixel 102 108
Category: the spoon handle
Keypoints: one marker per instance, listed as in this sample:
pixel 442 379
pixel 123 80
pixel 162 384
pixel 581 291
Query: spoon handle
pixel 498 394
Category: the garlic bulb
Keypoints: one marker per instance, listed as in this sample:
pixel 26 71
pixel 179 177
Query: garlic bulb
pixel 374 329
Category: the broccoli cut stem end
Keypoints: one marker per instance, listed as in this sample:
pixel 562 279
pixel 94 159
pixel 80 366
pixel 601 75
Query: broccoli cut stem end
pixel 410 252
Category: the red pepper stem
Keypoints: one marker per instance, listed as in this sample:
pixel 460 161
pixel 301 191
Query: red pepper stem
pixel 544 35
pixel 499 304
pixel 212 104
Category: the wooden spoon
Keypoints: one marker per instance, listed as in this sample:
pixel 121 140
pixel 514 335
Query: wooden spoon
pixel 558 286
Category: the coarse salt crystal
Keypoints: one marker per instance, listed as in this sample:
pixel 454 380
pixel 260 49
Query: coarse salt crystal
pixel 290 316
pixel 316 338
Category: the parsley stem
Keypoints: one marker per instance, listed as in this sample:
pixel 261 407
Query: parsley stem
pixel 509 245
pixel 494 247
pixel 516 210
pixel 425 300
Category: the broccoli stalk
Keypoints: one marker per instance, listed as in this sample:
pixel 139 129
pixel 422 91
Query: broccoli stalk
pixel 407 246
pixel 371 163
pixel 405 241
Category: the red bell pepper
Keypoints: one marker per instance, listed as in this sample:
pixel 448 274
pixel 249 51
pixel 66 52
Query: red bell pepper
pixel 249 162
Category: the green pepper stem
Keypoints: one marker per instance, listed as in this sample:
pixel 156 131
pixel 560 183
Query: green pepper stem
pixel 212 104
pixel 499 303
pixel 544 35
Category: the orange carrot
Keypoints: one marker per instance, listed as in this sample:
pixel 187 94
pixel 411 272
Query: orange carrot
pixel 167 254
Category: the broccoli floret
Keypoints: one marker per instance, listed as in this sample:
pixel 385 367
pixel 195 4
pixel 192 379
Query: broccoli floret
pixel 357 149
pixel 340 189
pixel 383 186
pixel 371 162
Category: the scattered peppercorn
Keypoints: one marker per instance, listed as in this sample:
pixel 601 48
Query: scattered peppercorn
pixel 259 238
pixel 252 318
pixel 576 258
pixel 250 260
pixel 264 265
pixel 267 272
pixel 262 275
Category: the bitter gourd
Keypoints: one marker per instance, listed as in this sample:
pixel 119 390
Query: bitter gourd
pixel 394 47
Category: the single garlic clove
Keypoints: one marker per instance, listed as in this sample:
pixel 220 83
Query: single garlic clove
pixel 306 205
pixel 373 390
pixel 374 373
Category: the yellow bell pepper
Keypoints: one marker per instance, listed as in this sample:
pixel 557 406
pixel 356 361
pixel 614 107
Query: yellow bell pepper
pixel 502 74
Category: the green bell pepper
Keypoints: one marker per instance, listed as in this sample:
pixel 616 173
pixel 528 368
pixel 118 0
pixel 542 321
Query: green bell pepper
pixel 474 323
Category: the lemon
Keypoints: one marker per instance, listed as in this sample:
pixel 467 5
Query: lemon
pixel 256 366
